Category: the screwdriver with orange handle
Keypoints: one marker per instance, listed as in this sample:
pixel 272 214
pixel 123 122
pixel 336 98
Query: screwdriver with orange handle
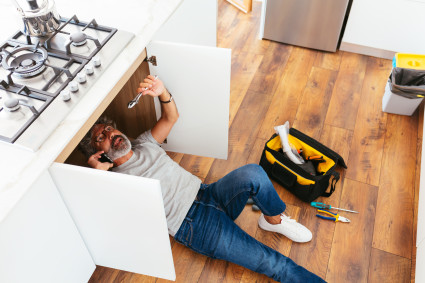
pixel 327 206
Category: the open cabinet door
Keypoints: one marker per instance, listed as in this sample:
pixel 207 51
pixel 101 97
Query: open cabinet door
pixel 199 79
pixel 120 217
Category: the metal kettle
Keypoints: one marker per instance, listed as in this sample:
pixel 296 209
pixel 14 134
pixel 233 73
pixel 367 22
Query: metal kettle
pixel 40 17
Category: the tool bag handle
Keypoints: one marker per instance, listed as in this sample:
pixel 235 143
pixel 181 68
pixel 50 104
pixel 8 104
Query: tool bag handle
pixel 335 179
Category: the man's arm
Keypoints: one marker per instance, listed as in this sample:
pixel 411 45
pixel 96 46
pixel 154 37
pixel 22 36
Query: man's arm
pixel 154 87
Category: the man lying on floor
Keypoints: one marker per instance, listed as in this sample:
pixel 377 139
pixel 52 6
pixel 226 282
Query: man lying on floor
pixel 201 216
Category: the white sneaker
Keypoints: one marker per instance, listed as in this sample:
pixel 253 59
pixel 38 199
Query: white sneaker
pixel 287 227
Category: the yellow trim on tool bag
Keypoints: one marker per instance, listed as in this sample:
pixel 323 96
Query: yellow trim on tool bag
pixel 323 167
pixel 300 180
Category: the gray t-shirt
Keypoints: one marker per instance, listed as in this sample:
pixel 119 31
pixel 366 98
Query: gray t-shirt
pixel 179 187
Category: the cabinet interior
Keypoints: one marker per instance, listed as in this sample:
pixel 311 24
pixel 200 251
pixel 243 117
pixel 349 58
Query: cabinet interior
pixel 131 122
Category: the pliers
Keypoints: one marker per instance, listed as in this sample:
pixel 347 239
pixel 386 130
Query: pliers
pixel 334 216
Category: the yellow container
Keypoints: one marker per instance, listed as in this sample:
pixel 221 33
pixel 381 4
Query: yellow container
pixel 410 61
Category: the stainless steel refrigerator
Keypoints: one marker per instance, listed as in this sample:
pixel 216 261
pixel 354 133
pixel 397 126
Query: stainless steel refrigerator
pixel 314 24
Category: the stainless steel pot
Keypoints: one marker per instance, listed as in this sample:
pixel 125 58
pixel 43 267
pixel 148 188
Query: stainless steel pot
pixel 39 16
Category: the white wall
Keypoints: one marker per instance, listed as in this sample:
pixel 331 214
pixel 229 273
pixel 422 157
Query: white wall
pixel 376 26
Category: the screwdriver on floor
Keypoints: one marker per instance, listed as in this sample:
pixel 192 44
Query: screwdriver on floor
pixel 327 206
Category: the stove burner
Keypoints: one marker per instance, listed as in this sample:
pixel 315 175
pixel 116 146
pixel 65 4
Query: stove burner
pixel 11 104
pixel 26 61
pixel 25 66
pixel 78 38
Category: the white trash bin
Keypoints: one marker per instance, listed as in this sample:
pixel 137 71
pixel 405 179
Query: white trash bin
pixel 404 91
pixel 396 104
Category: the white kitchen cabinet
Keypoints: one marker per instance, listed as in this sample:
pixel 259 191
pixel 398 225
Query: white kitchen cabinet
pixel 198 77
pixel 380 28
pixel 420 263
pixel 120 217
pixel 39 242
pixel 194 22
pixel 420 238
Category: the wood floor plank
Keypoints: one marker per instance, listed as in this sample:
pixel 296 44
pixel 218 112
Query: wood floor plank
pixel 197 165
pixel 246 124
pixel 394 218
pixel 128 277
pixel 124 276
pixel 313 255
pixel 342 111
pixel 337 139
pixel 315 100
pixel 245 38
pixel 224 23
pixel 330 61
pixel 251 276
pixel 234 273
pixel 364 164
pixel 235 35
pixel 187 263
pixel 351 246
pixel 216 270
pixel 244 67
pixel 287 96
pixel 388 268
pixel 256 151
pixel 253 43
pixel 104 274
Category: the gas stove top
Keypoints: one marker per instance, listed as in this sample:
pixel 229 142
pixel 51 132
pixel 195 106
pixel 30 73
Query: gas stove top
pixel 42 79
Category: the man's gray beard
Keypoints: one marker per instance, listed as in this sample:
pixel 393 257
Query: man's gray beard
pixel 123 149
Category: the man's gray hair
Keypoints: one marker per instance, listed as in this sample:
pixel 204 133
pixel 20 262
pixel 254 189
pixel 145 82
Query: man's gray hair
pixel 86 145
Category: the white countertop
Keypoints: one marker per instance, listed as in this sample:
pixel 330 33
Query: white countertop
pixel 20 168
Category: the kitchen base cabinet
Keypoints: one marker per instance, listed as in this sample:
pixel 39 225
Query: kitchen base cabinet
pixel 39 242
pixel 142 116
pixel 120 217
pixel 198 77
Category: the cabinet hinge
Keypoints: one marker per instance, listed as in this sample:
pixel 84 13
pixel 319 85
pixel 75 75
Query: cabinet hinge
pixel 151 60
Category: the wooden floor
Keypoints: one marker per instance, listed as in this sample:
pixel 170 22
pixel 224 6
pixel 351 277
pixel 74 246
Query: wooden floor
pixel 336 99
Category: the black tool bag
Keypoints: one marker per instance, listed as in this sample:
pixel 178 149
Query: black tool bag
pixel 294 177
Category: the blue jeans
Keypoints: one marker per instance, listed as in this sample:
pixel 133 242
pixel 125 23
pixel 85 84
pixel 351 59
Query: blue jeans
pixel 209 228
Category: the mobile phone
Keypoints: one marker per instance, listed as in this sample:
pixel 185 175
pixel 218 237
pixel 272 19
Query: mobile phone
pixel 105 158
